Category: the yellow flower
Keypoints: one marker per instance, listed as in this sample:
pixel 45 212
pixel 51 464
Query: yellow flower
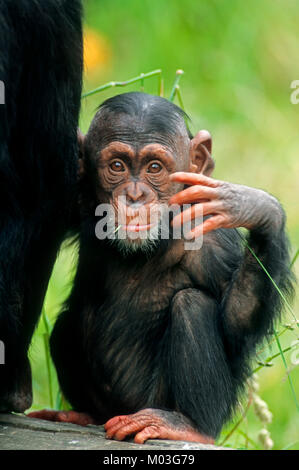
pixel 96 50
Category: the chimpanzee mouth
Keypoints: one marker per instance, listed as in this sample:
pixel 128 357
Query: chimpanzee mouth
pixel 137 227
pixel 130 239
pixel 136 231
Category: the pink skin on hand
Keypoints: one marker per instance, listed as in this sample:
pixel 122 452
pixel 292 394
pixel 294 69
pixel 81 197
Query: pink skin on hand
pixel 202 192
pixel 229 205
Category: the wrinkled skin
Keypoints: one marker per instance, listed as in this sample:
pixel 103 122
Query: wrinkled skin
pixel 230 205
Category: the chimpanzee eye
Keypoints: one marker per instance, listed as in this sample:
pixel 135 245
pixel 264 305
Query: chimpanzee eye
pixel 117 166
pixel 154 168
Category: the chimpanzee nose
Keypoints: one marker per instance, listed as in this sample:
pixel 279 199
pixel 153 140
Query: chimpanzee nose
pixel 136 193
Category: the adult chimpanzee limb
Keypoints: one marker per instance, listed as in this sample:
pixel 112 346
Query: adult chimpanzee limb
pixel 41 67
pixel 163 336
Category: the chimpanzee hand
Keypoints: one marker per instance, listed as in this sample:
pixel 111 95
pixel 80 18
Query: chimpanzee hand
pixel 229 205
pixel 154 424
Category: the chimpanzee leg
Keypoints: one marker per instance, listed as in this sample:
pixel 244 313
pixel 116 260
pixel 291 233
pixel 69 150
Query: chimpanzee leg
pixel 200 385
pixel 69 359
pixel 30 254
pixel 15 375
pixel 26 259
pixel 41 67
pixel 74 377
pixel 199 374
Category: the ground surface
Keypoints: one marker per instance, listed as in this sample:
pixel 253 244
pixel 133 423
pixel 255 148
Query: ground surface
pixel 17 432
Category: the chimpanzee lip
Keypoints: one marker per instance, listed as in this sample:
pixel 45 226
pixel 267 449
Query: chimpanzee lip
pixel 137 227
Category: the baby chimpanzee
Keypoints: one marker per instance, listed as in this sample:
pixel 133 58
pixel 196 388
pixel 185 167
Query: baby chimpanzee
pixel 155 339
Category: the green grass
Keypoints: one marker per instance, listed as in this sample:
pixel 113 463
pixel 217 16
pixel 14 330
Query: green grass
pixel 239 60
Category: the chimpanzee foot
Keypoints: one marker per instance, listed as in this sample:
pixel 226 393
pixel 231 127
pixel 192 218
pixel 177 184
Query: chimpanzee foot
pixel 154 424
pixel 74 417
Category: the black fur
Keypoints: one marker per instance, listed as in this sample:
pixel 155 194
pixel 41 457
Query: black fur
pixel 142 333
pixel 155 114
pixel 41 67
pixel 175 329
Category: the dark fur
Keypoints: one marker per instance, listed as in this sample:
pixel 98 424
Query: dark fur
pixel 41 66
pixel 172 331
pixel 155 114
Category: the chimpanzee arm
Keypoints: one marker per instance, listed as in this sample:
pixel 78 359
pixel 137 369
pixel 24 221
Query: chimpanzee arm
pixel 250 302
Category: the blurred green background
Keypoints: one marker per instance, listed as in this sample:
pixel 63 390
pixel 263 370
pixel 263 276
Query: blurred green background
pixel 239 60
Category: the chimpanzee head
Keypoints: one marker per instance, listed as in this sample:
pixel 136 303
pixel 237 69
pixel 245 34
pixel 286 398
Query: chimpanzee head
pixel 134 143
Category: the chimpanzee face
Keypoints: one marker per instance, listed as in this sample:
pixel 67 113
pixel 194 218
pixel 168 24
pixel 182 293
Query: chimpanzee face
pixel 132 163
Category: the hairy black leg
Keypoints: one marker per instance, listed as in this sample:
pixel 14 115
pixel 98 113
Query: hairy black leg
pixel 199 376
pixel 73 371
pixel 41 66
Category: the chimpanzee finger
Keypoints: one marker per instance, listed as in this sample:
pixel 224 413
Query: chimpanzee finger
pixel 125 431
pixel 120 430
pixel 208 225
pixel 196 211
pixel 194 194
pixel 194 178
pixel 120 420
pixel 114 425
pixel 151 432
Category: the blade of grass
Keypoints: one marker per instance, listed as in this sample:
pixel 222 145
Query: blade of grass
pixel 269 276
pixel 179 73
pixel 288 374
pixel 179 96
pixel 240 421
pixel 290 445
pixel 46 338
pixel 117 229
pixel 177 92
pixel 160 85
pixel 294 259
pixel 280 333
pixel 269 359
pixel 140 78
pixel 242 433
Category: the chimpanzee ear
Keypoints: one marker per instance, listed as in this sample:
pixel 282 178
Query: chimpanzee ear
pixel 81 138
pixel 201 159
